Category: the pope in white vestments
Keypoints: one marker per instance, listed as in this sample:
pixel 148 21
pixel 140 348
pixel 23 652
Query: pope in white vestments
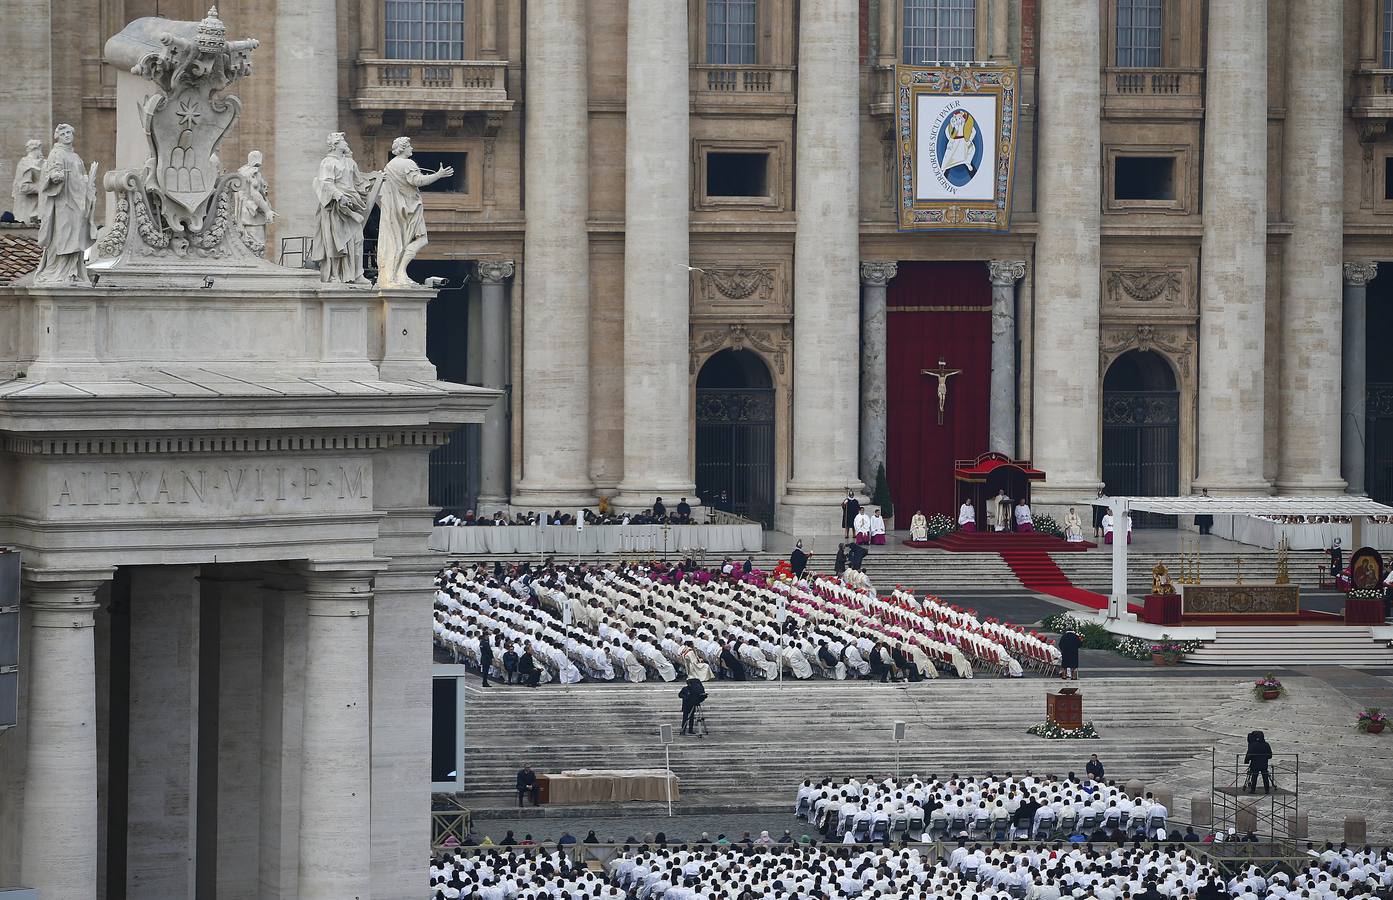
pixel 1001 506
pixel 1073 527
pixel 918 527
pixel 967 518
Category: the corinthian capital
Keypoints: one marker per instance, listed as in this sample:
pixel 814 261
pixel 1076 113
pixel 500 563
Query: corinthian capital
pixel 1360 272
pixel 495 271
pixel 1005 272
pixel 877 274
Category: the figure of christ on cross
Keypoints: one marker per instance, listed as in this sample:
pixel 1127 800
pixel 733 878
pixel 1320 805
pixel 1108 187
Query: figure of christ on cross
pixel 942 373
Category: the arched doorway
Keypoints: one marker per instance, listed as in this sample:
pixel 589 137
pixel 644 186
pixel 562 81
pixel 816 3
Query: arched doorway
pixel 735 434
pixel 1141 432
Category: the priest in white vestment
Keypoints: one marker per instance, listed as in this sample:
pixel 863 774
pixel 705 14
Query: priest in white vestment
pixel 1001 510
pixel 1073 527
pixel 862 527
pixel 919 527
pixel 1024 522
pixel 696 666
pixel 877 527
pixel 1108 527
pixel 967 518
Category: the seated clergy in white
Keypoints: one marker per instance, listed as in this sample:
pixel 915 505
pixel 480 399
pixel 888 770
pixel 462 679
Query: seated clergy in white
pixel 1108 527
pixel 919 527
pixel 862 527
pixel 1024 522
pixel 967 517
pixel 877 527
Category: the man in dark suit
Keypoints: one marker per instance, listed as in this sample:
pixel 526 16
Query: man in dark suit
pixel 659 510
pixel 684 510
pixel 527 785
pixel 856 555
pixel 528 672
pixel 731 661
pixel 486 654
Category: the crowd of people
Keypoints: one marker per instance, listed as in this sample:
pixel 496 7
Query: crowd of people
pixel 835 872
pixel 657 514
pixel 568 623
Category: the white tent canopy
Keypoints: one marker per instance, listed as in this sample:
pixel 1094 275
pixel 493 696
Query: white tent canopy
pixel 1356 508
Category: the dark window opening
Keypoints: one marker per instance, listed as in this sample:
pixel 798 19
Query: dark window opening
pixel 1144 178
pixel 737 174
pixel 444 730
pixel 456 183
pixel 1388 178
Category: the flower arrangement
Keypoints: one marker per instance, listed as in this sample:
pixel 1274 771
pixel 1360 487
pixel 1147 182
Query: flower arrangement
pixel 1167 652
pixel 1133 648
pixel 939 525
pixel 1371 720
pixel 1046 524
pixel 1058 623
pixel 1365 593
pixel 1268 687
pixel 1055 733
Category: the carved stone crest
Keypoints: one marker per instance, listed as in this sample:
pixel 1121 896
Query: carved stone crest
pixel 738 336
pixel 1145 286
pixel 737 283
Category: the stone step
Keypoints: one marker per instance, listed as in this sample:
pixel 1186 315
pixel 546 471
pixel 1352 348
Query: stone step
pixel 1295 645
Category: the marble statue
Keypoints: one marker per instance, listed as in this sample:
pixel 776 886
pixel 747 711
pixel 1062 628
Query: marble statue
pixel 26 184
pixel 180 204
pixel 254 210
pixel 401 230
pixel 345 197
pixel 67 204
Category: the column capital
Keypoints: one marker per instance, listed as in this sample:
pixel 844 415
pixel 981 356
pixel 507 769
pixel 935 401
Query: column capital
pixel 1360 272
pixel 1005 272
pixel 877 273
pixel 65 591
pixel 495 271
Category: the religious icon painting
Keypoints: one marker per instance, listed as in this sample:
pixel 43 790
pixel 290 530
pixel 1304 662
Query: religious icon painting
pixel 955 129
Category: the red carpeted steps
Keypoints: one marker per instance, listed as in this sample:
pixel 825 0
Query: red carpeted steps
pixel 1002 541
pixel 1037 572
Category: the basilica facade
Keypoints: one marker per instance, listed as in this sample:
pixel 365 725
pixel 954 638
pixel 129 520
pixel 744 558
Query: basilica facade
pixel 674 223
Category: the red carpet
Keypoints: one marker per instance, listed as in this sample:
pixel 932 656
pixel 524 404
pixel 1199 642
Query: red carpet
pixel 1001 542
pixel 1037 572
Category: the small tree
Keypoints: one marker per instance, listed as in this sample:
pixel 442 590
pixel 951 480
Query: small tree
pixel 881 495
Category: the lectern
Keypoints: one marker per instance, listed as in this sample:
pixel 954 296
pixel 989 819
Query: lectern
pixel 1065 708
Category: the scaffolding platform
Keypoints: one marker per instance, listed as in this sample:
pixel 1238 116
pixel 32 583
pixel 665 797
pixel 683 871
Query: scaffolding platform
pixel 1272 816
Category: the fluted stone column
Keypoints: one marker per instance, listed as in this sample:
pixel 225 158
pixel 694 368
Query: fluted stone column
pixel 657 395
pixel 556 290
pixel 335 787
pixel 1313 190
pixel 825 257
pixel 1066 382
pixel 58 854
pixel 307 110
pixel 1001 429
pixel 1353 360
pixel 874 277
pixel 496 335
pixel 1233 255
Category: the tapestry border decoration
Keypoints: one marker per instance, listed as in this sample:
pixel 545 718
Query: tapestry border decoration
pixel 919 210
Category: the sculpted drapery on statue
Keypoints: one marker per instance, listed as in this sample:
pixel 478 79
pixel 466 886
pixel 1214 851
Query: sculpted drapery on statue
pixel 345 198
pixel 26 184
pixel 67 203
pixel 254 210
pixel 402 226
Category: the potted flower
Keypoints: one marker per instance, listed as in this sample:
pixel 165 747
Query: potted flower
pixel 1371 720
pixel 1166 652
pixel 1268 688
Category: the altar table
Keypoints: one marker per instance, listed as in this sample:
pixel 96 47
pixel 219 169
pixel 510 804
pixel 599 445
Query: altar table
pixel 1233 599
pixel 577 786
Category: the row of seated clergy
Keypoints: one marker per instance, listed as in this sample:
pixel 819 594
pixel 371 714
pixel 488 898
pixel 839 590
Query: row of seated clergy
pixel 869 527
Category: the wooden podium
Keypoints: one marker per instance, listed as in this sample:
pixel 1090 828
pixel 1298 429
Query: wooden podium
pixel 1065 708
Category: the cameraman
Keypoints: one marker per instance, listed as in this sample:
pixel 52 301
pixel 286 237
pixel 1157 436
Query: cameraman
pixel 692 696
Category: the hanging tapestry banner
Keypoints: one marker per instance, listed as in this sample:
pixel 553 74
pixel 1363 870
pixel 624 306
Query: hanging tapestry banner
pixel 955 130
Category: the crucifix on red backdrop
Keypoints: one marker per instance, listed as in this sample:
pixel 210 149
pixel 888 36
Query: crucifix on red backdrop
pixel 942 373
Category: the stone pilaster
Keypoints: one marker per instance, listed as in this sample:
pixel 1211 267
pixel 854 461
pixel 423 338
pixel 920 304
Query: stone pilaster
pixel 825 258
pixel 1066 381
pixel 307 110
pixel 888 38
pixel 874 277
pixel 556 294
pixel 58 855
pixel 496 333
pixel 1313 197
pixel 1233 256
pixel 657 393
pixel 1000 51
pixel 335 804
pixel 1001 430
pixel 1353 359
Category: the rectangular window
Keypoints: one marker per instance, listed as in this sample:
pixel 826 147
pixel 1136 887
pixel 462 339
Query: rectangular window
pixel 457 183
pixel 1139 34
pixel 939 31
pixel 1388 178
pixel 737 174
pixel 730 32
pixel 1144 178
pixel 1386 26
pixel 424 29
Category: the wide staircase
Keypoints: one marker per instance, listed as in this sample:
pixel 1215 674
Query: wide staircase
pixel 1293 645
pixel 765 738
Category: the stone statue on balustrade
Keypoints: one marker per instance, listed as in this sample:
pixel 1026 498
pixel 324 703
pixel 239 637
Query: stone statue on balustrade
pixel 401 230
pixel 254 210
pixel 180 205
pixel 345 196
pixel 26 184
pixel 67 208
